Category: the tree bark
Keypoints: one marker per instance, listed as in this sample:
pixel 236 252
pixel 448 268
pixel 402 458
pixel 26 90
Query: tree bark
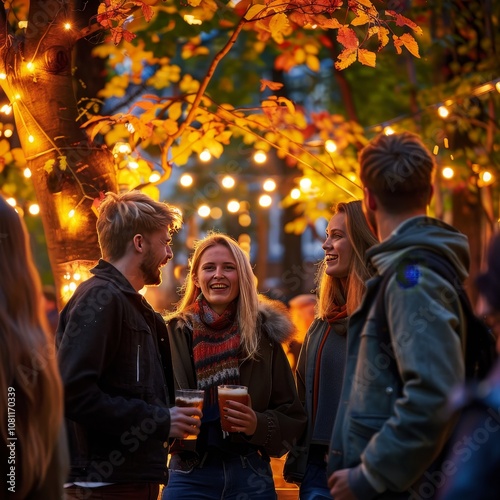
pixel 68 172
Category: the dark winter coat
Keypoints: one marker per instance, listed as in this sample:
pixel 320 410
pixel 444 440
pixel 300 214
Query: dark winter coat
pixel 116 391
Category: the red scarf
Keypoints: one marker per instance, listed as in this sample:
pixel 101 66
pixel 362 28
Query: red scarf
pixel 216 342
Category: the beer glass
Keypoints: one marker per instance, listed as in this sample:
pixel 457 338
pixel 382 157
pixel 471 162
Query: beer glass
pixel 238 393
pixel 192 398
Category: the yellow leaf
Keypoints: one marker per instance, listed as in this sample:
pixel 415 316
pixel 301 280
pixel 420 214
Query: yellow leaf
pixel 63 163
pixel 312 63
pixel 279 26
pixel 300 56
pixel 175 110
pixel 289 104
pixel 345 58
pixel 49 166
pixel 361 18
pixel 366 57
pixel 254 11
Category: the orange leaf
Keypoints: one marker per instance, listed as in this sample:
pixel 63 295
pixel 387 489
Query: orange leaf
pixel 345 58
pixel 367 57
pixel 408 41
pixel 347 37
pixel 329 24
pixel 404 21
pixel 270 85
pixel 279 25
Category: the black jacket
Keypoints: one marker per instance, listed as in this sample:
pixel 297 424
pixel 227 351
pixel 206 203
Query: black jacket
pixel 116 382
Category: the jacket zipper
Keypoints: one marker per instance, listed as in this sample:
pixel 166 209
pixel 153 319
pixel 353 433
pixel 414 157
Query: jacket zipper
pixel 138 358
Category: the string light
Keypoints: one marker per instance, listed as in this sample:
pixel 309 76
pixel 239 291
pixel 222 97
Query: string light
pixel 388 131
pixel 260 157
pixel 330 146
pixel 265 201
pixel 186 180
pixel 67 26
pixel 34 209
pixel 447 173
pixel 233 206
pixel 295 194
pixel 205 155
pixel 154 177
pixel 269 185
pixel 228 182
pixel 443 112
pixel 305 184
pixel 204 211
pixel 27 173
pixel 133 165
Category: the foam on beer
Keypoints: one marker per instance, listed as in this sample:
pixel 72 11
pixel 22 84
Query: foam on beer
pixel 228 391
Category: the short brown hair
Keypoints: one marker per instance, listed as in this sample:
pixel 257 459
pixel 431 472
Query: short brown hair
pixel 122 216
pixel 399 170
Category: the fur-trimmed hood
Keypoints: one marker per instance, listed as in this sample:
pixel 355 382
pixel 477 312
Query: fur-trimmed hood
pixel 274 320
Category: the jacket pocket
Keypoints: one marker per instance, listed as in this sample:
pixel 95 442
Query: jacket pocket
pixel 360 432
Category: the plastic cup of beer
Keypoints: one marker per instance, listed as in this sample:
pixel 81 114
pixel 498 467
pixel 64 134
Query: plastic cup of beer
pixel 238 393
pixel 192 398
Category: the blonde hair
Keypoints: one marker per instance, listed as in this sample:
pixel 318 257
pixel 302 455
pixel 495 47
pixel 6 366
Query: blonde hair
pixel 331 291
pixel 122 216
pixel 247 308
pixel 28 366
pixel 398 169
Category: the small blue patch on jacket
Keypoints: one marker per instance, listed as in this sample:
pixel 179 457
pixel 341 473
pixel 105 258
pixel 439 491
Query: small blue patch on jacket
pixel 408 274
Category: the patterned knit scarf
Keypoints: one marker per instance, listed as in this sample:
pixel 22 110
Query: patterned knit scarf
pixel 216 342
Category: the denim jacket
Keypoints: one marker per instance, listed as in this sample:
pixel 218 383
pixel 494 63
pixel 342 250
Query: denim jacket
pixel 116 382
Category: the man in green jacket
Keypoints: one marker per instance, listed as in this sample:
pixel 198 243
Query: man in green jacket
pixel 391 425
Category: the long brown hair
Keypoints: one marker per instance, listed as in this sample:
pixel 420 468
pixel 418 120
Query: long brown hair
pixel 28 367
pixel 331 291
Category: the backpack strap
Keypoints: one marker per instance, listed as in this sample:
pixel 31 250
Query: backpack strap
pixel 479 343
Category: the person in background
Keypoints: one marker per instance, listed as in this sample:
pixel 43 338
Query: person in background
pixel 473 464
pixel 391 423
pixel 341 283
pixel 118 382
pixel 223 332
pixel 302 311
pixel 34 459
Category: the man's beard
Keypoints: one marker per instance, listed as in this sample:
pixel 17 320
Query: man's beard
pixel 151 272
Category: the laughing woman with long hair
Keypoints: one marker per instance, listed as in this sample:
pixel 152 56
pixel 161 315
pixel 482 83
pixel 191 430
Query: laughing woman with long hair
pixel 31 405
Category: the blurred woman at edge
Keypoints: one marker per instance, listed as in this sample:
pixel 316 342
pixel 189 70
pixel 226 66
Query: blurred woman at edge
pixel 31 404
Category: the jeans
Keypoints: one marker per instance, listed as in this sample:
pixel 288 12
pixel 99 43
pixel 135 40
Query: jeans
pixel 314 486
pixel 130 491
pixel 217 477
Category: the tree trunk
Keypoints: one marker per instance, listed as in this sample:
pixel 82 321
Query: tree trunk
pixel 68 172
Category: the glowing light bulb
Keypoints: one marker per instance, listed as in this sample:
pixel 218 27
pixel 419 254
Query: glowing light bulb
pixel 8 133
pixel 269 185
pixel 77 276
pixel 3 76
pixel 295 194
pixel 186 180
pixel 443 112
pixel 204 211
pixel 6 109
pixel 30 66
pixel 233 206
pixel 265 201
pixel 388 131
pixel 260 157
pixel 154 177
pixel 133 165
pixel 67 26
pixel 330 146
pixel 27 173
pixel 305 184
pixel 228 182
pixel 448 173
pixel 71 214
pixel 31 139
pixel 34 209
pixel 205 155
